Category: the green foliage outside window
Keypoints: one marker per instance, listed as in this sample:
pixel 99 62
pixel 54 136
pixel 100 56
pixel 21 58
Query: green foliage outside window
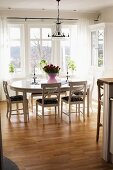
pixel 100 61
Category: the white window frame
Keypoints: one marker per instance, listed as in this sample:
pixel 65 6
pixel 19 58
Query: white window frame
pixel 56 57
pixel 22 48
pixel 40 26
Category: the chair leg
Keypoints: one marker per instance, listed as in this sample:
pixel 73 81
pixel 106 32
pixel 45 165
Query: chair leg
pixel 43 114
pixel 79 109
pixel 55 112
pixel 36 110
pixel 84 112
pixel 76 108
pixel 10 109
pixel 32 103
pixel 27 111
pixel 98 122
pixel 7 109
pixel 69 113
pixel 61 109
pixel 58 113
pixel 17 107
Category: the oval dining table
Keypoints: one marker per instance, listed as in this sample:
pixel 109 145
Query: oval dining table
pixel 26 86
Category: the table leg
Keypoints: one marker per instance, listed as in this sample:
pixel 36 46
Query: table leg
pixel 98 114
pixel 25 107
pixel 17 103
pixel 88 102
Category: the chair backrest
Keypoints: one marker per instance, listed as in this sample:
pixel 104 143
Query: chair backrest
pixel 101 93
pixel 6 90
pixel 77 88
pixel 50 90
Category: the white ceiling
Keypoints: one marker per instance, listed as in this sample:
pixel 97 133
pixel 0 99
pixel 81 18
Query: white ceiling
pixel 79 5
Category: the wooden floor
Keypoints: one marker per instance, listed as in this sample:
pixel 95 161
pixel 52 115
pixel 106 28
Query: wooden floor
pixel 55 146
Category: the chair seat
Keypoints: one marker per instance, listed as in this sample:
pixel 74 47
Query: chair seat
pixel 16 98
pixel 36 94
pixel 79 93
pixel 48 101
pixel 73 98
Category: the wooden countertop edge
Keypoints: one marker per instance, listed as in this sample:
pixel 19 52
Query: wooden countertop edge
pixel 100 81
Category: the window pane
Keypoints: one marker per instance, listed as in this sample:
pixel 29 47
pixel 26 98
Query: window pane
pixel 15 43
pixel 46 50
pixel 15 47
pixel 65 52
pixel 93 48
pixel 14 33
pixel 40 48
pixel 35 52
pixel 34 33
pixel 100 47
pixel 45 32
pixel 15 54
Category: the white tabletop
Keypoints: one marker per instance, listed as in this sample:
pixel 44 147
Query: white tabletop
pixel 26 85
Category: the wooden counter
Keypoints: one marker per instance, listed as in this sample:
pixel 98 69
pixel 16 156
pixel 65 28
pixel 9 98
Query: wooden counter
pixel 105 80
pixel 107 84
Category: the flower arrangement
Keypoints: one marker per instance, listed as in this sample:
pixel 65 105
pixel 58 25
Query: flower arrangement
pixel 51 69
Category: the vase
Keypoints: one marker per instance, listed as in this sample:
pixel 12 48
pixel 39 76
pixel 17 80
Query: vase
pixel 52 78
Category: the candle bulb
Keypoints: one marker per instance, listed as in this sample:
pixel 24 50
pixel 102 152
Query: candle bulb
pixel 67 67
pixel 34 70
pixel 67 71
pixel 34 77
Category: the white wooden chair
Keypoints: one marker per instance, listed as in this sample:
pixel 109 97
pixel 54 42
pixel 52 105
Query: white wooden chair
pixel 50 98
pixel 11 100
pixel 76 97
pixel 36 95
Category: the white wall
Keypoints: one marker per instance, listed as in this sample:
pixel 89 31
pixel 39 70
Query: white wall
pixel 44 13
pixel 106 15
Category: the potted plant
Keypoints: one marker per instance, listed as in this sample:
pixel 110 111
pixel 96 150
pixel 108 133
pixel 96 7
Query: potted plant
pixel 71 64
pixel 11 68
pixel 42 63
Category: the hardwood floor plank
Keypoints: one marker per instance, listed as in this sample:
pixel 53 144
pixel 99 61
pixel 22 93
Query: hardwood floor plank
pixel 55 146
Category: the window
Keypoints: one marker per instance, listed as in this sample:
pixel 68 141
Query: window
pixel 100 47
pixel 65 51
pixel 97 48
pixel 93 48
pixel 29 44
pixel 68 46
pixel 40 46
pixel 16 47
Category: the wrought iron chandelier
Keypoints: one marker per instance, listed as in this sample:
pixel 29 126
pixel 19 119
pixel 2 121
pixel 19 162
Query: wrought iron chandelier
pixel 58 33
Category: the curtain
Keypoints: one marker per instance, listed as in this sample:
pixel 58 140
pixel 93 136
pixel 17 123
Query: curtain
pixel 4 59
pixel 83 58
